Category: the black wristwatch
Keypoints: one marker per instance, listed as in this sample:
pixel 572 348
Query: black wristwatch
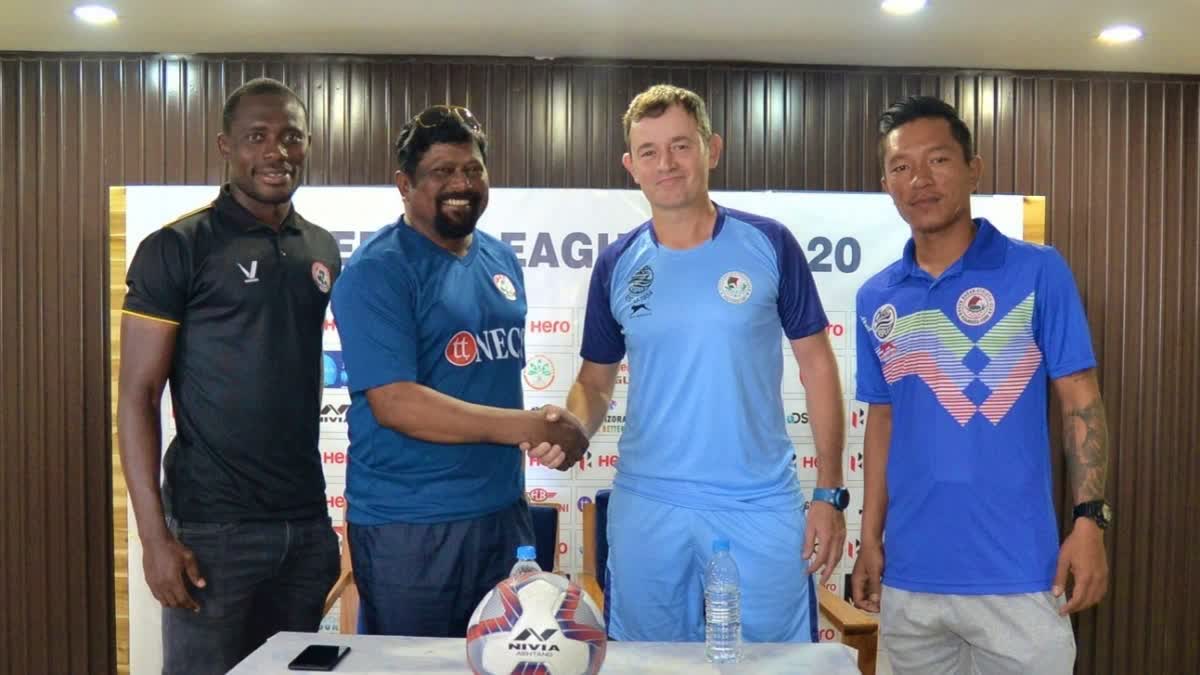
pixel 838 497
pixel 1097 510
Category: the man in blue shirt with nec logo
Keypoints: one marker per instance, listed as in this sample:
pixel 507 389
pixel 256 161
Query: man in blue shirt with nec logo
pixel 700 298
pixel 957 342
pixel 431 315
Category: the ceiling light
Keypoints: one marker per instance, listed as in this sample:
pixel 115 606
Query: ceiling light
pixel 1115 35
pixel 95 14
pixel 902 7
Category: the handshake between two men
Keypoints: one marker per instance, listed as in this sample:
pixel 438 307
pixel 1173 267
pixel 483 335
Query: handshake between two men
pixel 556 438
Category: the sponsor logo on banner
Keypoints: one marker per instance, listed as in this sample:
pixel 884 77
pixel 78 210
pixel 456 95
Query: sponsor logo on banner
pixel 856 462
pixel 858 417
pixel 852 548
pixel 614 421
pixel 623 374
pixel 836 329
pixel 334 413
pixel 322 276
pixel 550 326
pixel 735 287
pixel 334 370
pixel 796 418
pixel 884 321
pixel 539 372
pixel 541 495
pixel 505 286
pixel 976 306
pixel 466 348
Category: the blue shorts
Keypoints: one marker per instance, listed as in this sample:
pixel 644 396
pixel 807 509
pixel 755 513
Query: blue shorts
pixel 656 563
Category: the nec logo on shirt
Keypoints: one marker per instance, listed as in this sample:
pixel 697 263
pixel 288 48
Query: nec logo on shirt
pixel 465 347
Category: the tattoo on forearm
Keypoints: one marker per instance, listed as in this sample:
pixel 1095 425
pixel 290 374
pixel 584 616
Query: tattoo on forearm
pixel 1085 432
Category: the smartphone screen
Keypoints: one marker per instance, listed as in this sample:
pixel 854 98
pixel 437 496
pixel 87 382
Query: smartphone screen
pixel 318 657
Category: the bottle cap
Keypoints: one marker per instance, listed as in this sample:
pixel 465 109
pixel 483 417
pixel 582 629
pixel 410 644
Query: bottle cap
pixel 720 545
pixel 526 553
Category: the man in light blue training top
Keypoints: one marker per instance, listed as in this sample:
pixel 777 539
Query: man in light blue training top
pixel 957 344
pixel 700 298
pixel 431 314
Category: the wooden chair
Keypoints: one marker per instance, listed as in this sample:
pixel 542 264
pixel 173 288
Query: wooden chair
pixel 859 630
pixel 546 537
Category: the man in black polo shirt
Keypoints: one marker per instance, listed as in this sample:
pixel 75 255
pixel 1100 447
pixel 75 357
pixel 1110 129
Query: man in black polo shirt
pixel 227 303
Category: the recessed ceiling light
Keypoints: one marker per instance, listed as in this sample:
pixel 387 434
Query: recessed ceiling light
pixel 902 7
pixel 1115 35
pixel 95 14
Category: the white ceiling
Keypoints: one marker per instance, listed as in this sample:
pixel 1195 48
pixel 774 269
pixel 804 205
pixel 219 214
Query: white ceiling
pixel 1019 34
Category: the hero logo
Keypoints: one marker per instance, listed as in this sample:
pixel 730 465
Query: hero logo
pixel 530 640
pixel 465 347
pixel 540 494
pixel 549 327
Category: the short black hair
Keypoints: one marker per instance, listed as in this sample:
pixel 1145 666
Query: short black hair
pixel 416 137
pixel 911 108
pixel 260 86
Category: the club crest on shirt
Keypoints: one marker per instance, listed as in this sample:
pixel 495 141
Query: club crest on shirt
pixel 505 286
pixel 735 287
pixel 640 283
pixel 321 276
pixel 884 321
pixel 976 306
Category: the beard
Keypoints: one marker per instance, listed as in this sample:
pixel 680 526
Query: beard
pixel 449 227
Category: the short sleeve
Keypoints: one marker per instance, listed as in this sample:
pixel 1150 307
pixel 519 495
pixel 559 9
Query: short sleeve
pixel 373 305
pixel 1060 324
pixel 603 339
pixel 800 309
pixel 159 278
pixel 869 383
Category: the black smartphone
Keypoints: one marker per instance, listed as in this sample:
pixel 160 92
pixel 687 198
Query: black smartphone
pixel 319 657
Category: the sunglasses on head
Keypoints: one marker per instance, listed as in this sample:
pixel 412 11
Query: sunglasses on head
pixel 435 115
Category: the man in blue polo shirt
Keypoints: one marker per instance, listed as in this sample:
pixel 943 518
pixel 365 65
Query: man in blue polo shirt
pixel 700 298
pixel 957 342
pixel 431 315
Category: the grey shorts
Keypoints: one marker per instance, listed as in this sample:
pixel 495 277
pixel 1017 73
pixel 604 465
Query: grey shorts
pixel 934 634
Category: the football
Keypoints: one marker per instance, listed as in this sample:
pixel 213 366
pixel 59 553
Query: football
pixel 537 624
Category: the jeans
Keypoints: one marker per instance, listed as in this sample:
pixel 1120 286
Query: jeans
pixel 261 578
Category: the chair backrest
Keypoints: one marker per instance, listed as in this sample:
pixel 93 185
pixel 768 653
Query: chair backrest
pixel 602 537
pixel 545 534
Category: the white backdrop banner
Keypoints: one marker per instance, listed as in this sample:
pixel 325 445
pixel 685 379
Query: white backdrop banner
pixel 557 236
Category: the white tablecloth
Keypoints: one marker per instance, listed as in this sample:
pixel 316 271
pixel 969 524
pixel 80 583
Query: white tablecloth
pixel 378 655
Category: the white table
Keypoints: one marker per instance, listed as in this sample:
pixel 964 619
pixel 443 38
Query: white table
pixel 378 655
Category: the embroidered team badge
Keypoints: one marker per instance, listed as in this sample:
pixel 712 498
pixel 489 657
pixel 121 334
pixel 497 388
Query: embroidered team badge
pixel 321 276
pixel 505 286
pixel 976 306
pixel 884 321
pixel 735 287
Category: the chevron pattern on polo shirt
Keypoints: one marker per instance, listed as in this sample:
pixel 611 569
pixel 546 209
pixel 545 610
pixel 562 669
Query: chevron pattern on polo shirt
pixel 930 346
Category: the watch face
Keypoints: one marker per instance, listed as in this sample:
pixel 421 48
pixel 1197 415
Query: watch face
pixel 842 497
pixel 1106 513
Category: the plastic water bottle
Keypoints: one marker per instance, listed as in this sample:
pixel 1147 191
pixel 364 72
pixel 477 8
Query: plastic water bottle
pixel 526 562
pixel 722 607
